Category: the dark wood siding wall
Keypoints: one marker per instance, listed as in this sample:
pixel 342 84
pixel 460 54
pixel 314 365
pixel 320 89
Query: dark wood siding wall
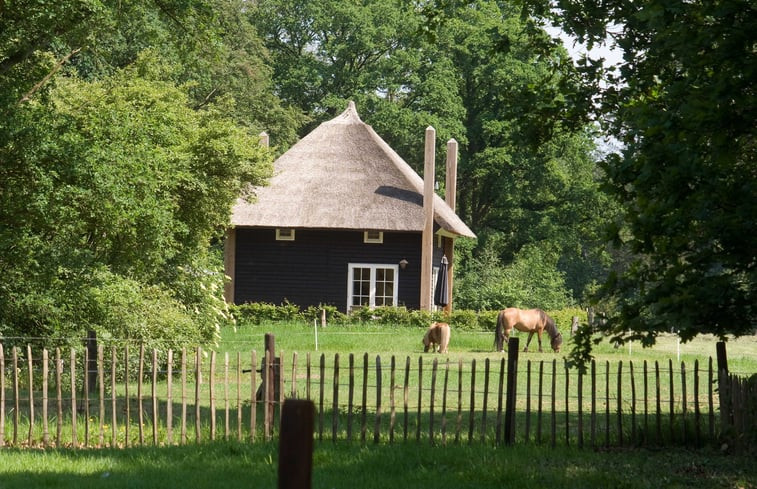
pixel 312 269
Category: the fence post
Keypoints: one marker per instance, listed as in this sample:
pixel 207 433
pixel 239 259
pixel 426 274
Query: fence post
pixel 2 396
pixel 269 382
pixel 30 372
pixel 378 400
pixel 296 444
pixel 512 381
pixel 91 361
pixel 724 392
pixel 335 400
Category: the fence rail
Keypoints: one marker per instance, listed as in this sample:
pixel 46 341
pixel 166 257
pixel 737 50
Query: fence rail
pixel 122 397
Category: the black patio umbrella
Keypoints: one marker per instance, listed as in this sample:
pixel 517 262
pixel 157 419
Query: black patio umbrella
pixel 441 292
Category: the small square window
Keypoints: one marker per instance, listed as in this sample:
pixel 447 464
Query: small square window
pixel 284 234
pixel 373 237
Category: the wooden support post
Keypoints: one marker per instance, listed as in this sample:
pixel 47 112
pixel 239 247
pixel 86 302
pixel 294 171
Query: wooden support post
pixel 427 239
pixel 450 197
pixel 296 444
pixel 512 382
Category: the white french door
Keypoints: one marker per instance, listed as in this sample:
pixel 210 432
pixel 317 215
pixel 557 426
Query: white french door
pixel 370 285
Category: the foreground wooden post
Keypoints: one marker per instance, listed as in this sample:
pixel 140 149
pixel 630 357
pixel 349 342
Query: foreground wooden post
pixel 723 387
pixel 296 444
pixel 512 381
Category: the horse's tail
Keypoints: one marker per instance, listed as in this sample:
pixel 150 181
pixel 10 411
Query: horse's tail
pixel 444 335
pixel 499 332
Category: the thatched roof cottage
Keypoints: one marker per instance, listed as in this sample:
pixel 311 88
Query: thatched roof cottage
pixel 342 222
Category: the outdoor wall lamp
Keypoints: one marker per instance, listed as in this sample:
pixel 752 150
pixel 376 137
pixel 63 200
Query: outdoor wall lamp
pixel 403 263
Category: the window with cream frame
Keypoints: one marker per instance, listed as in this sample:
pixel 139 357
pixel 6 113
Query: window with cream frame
pixel 373 237
pixel 284 234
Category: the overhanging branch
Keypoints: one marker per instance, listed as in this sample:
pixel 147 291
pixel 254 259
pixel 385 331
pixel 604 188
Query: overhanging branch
pixel 47 77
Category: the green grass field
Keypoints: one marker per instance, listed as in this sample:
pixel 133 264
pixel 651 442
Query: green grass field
pixel 403 341
pixel 230 466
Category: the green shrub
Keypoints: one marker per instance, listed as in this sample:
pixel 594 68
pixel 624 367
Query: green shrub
pixel 487 320
pixel 257 312
pixel 564 318
pixel 423 319
pixel 464 319
pixel 531 279
pixel 333 315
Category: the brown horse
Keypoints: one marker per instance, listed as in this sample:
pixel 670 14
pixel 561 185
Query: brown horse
pixel 437 338
pixel 529 321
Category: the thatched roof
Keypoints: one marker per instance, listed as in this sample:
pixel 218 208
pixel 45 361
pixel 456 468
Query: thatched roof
pixel 344 176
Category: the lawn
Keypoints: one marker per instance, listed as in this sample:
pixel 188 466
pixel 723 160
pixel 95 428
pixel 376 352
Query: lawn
pixel 344 464
pixel 231 465
pixel 386 341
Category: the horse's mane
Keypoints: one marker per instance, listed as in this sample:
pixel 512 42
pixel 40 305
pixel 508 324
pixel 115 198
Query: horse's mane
pixel 549 324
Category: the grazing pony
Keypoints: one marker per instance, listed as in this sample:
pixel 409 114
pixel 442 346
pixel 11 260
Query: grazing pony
pixel 437 338
pixel 529 321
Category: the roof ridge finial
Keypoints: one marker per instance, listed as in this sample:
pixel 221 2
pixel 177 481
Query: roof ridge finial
pixel 350 115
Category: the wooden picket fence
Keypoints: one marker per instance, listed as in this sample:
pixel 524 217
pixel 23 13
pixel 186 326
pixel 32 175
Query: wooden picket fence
pixel 738 405
pixel 127 396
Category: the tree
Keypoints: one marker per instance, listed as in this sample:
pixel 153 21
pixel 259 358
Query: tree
pixel 528 173
pixel 682 103
pixel 478 73
pixel 113 191
pixel 211 46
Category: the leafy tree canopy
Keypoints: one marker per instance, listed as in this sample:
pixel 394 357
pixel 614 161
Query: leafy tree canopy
pixel 119 170
pixel 683 104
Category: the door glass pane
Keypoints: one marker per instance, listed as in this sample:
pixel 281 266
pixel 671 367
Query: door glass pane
pixel 384 286
pixel 361 286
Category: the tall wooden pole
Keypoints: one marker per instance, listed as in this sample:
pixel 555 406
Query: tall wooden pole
pixel 449 198
pixel 427 252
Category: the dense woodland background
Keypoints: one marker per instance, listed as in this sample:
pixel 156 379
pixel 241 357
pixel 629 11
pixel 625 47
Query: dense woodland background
pixel 128 128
